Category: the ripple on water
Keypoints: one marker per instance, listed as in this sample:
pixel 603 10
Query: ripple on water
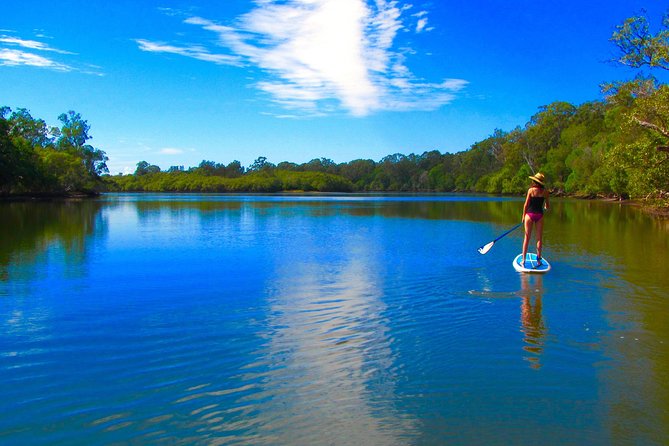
pixel 263 324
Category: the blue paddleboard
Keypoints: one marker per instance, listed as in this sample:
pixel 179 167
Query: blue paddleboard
pixel 531 264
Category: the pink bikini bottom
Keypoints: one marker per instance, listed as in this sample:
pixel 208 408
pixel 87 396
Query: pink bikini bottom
pixel 535 216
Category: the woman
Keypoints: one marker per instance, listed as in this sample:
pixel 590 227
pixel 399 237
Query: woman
pixel 533 212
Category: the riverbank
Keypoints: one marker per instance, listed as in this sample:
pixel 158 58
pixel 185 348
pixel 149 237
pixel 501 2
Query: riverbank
pixel 659 212
pixel 48 196
pixel 658 209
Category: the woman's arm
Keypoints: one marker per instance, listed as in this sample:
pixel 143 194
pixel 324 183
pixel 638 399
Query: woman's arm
pixel 546 204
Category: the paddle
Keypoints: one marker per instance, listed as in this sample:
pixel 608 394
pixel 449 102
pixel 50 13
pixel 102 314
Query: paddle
pixel 485 248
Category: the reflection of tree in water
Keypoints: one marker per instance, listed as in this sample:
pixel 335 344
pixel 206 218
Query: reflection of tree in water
pixel 28 230
pixel 531 318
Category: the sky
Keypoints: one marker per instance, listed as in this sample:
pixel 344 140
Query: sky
pixel 174 83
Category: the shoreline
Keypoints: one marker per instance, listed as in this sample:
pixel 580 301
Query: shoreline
pixel 661 212
pixel 48 196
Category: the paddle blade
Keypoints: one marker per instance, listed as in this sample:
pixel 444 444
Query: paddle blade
pixel 485 248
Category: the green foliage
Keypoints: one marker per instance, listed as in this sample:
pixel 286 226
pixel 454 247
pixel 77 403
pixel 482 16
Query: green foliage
pixel 359 172
pixel 637 162
pixel 144 168
pixel 313 181
pixel 319 165
pixel 440 179
pixel 646 128
pixel 36 159
pixel 72 138
pixel 639 47
pixel 15 160
pixel 34 131
pixel 232 170
pixel 261 164
pixel 63 171
pixel 195 181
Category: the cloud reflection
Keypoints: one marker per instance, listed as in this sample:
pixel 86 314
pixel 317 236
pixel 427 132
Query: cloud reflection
pixel 332 358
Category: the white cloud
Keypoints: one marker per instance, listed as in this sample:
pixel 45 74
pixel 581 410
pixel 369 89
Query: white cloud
pixel 420 26
pixel 324 55
pixel 17 57
pixel 15 51
pixel 30 44
pixel 194 51
pixel 315 50
pixel 453 84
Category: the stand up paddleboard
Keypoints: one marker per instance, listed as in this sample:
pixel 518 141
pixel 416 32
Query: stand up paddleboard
pixel 531 264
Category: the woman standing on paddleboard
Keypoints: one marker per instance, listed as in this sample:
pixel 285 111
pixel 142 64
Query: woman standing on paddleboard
pixel 533 212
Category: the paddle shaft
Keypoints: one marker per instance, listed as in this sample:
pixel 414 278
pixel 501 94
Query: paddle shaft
pixel 507 232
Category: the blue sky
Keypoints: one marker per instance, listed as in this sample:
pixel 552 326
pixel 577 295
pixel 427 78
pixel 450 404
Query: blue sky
pixel 175 83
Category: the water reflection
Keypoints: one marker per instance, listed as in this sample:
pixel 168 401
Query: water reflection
pixel 331 352
pixel 437 207
pixel 274 315
pixel 531 317
pixel 32 232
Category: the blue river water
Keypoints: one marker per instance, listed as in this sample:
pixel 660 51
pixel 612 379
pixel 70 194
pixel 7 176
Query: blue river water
pixel 328 319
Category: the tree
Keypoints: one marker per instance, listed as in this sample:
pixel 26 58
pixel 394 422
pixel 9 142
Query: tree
pixel 65 172
pixel 396 172
pixel 287 165
pixel 639 47
pixel 73 138
pixel 261 164
pixel 324 165
pixel 74 130
pixel 144 168
pixel 644 109
pixel 207 168
pixel 234 169
pixel 9 158
pixel 543 133
pixel 428 160
pixel 359 172
pixel 644 131
pixel 35 131
pixel 20 135
pixel 37 159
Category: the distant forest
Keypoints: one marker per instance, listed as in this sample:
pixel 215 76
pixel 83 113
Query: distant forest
pixel 617 146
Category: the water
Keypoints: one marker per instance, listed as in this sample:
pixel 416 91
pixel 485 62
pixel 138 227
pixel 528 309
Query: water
pixel 310 320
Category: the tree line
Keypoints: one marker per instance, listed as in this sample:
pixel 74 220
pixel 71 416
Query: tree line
pixel 617 146
pixel 614 147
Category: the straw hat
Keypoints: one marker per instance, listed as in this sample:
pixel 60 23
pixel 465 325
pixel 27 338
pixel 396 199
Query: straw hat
pixel 539 178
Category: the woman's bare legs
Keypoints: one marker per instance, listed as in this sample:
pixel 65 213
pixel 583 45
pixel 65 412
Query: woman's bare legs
pixel 540 230
pixel 528 233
